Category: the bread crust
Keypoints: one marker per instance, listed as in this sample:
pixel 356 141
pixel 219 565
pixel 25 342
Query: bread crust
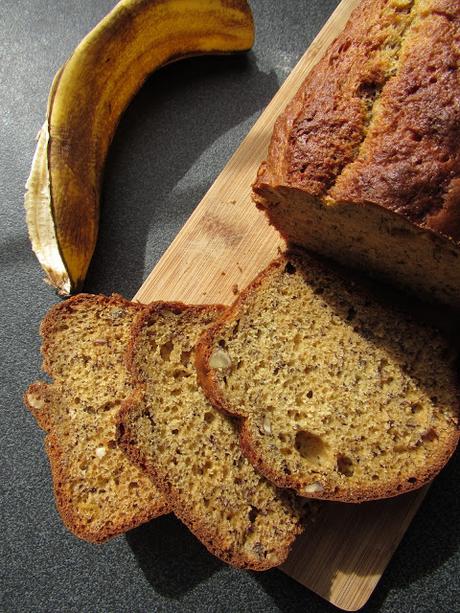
pixel 35 399
pixel 365 132
pixel 126 440
pixel 210 384
pixel 51 319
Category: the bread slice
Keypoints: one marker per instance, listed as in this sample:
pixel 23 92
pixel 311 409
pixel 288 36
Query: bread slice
pixel 342 397
pixel 364 163
pixel 99 492
pixel 192 451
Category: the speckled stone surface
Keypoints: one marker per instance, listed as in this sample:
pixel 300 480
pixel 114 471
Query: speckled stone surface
pixel 173 141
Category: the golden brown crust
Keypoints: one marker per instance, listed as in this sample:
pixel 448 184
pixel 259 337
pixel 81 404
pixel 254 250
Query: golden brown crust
pixel 323 125
pixel 373 123
pixel 209 381
pixel 127 440
pixel 410 162
pixel 65 307
pixel 37 399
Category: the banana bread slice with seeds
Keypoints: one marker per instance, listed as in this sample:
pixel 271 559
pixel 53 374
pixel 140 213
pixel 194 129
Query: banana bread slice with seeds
pixel 192 451
pixel 99 492
pixel 342 396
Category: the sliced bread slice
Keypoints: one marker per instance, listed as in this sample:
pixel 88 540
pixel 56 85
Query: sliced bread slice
pixel 99 492
pixel 342 396
pixel 192 451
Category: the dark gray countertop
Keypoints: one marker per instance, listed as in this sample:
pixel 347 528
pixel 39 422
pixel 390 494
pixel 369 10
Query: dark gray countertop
pixel 173 141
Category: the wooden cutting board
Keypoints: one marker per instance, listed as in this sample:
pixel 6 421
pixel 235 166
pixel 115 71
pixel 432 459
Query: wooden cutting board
pixel 223 245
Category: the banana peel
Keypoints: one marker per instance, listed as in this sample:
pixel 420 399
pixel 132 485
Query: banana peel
pixel 88 95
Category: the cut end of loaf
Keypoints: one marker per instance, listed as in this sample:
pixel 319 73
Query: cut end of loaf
pixel 367 237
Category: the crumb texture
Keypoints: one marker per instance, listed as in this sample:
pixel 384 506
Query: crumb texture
pixel 192 450
pixel 99 491
pixel 342 397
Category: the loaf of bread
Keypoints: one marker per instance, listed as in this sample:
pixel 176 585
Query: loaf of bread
pixel 364 164
pixel 99 491
pixel 342 397
pixel 192 451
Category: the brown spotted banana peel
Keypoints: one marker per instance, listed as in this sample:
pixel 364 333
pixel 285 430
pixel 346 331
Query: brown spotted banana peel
pixel 87 98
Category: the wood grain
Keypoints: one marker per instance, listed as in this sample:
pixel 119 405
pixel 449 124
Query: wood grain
pixel 223 245
pixel 226 233
pixel 345 553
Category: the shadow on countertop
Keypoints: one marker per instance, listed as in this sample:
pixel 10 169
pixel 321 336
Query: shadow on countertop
pixel 174 561
pixel 430 541
pixel 171 558
pixel 178 115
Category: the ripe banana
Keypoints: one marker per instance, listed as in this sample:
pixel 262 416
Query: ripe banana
pixel 87 97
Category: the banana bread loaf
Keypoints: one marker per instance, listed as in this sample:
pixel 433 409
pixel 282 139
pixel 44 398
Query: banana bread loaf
pixel 364 164
pixel 342 397
pixel 99 492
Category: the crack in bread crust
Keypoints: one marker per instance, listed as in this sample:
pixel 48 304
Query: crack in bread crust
pixel 334 108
